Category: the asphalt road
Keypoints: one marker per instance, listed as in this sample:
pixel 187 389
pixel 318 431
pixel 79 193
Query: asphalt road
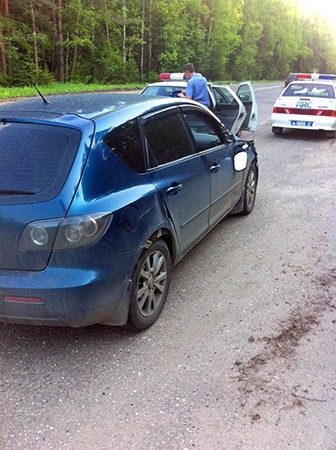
pixel 243 356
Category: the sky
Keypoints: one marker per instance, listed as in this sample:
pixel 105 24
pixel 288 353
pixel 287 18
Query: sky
pixel 325 8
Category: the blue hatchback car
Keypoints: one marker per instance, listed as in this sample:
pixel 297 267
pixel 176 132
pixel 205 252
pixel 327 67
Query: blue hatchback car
pixel 101 195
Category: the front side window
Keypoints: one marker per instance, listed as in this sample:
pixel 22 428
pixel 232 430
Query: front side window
pixel 167 137
pixel 206 134
pixel 125 142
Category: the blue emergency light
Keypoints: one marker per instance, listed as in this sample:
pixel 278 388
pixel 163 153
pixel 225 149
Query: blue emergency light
pixel 325 76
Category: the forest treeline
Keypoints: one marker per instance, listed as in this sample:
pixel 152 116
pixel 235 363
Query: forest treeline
pixel 120 41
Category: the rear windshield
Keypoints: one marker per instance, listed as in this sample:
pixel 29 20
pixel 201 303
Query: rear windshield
pixel 309 90
pixel 34 160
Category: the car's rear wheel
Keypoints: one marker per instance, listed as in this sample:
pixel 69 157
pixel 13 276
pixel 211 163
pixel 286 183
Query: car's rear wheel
pixel 330 134
pixel 250 190
pixel 150 285
pixel 277 130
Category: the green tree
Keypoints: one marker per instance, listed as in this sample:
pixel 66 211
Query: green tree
pixel 223 35
pixel 128 40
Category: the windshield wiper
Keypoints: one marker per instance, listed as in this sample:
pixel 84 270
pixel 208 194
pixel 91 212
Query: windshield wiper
pixel 14 192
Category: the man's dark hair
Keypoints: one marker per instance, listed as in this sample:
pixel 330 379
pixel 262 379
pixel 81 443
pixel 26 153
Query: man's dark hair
pixel 189 67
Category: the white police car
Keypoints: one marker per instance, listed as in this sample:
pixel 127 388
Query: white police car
pixel 309 103
pixel 237 110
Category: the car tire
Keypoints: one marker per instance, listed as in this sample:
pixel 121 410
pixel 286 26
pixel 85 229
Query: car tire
pixel 330 134
pixel 250 190
pixel 150 285
pixel 277 130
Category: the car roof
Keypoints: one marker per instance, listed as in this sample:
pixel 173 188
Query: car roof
pixel 87 105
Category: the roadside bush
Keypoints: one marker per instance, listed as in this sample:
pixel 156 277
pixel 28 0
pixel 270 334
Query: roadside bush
pixel 27 75
pixel 4 81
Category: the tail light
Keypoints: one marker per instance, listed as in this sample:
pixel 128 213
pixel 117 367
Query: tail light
pixel 305 112
pixel 11 298
pixel 279 110
pixel 60 234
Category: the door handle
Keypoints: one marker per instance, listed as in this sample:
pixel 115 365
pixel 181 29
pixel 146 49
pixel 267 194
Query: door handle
pixel 174 189
pixel 215 168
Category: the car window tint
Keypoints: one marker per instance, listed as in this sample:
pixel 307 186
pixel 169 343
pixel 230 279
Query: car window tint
pixel 206 135
pixel 309 90
pixel 35 160
pixel 168 138
pixel 125 142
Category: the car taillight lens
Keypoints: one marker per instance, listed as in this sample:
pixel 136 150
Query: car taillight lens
pixel 279 110
pixel 327 113
pixel 60 234
pixel 309 112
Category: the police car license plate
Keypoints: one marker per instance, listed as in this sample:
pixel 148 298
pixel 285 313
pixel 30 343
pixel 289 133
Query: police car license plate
pixel 300 123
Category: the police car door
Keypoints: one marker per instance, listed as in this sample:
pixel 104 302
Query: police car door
pixel 228 107
pixel 246 95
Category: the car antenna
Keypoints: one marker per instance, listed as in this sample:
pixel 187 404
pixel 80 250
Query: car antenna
pixel 44 100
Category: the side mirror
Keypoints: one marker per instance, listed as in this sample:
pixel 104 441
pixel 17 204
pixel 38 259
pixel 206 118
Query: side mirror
pixel 247 135
pixel 240 161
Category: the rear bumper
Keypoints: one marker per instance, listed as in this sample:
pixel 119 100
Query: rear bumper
pixel 303 122
pixel 67 296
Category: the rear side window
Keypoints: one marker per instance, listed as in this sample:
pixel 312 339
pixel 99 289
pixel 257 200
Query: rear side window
pixel 35 160
pixel 309 90
pixel 125 142
pixel 168 138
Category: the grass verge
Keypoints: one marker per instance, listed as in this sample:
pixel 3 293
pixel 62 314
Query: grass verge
pixel 61 88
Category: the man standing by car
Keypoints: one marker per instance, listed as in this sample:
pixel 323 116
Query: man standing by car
pixel 196 87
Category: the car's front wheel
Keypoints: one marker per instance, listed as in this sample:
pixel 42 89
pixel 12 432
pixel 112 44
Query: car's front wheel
pixel 277 130
pixel 150 285
pixel 250 190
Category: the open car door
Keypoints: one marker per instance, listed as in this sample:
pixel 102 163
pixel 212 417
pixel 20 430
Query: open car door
pixel 227 107
pixel 246 95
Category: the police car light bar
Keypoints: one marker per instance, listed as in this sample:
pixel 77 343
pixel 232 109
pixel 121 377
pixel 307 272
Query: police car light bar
pixel 172 76
pixel 327 76
pixel 315 76
pixel 303 76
